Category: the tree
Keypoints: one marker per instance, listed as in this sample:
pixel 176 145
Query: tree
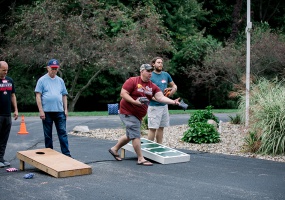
pixel 191 75
pixel 238 18
pixel 87 37
pixel 226 65
pixel 182 17
pixel 219 21
pixel 271 11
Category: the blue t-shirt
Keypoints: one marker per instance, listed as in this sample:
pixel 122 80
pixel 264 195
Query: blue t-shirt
pixel 52 90
pixel 161 80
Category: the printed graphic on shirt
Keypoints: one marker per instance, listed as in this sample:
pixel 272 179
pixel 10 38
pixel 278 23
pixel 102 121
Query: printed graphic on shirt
pixel 5 86
pixel 146 90
pixel 163 81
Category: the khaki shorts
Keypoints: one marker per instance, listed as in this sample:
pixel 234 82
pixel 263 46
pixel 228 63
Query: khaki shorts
pixel 158 116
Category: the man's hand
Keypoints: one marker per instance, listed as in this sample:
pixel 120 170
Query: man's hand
pixel 42 115
pixel 16 114
pixel 176 101
pixel 144 100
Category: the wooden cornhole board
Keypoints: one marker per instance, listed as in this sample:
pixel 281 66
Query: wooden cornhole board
pixel 157 152
pixel 53 163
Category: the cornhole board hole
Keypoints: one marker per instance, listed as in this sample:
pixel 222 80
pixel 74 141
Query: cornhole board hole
pixel 53 163
pixel 157 152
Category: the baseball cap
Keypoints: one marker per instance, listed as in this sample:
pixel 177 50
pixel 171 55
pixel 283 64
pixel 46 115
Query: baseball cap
pixel 146 67
pixel 53 63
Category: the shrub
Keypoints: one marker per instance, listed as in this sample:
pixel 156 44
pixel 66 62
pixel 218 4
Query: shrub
pixel 203 116
pixel 235 119
pixel 144 124
pixel 252 142
pixel 199 130
pixel 267 115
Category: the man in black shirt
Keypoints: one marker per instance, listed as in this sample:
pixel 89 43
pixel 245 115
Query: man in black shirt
pixel 7 98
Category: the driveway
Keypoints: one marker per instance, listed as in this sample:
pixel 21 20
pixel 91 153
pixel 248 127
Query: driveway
pixel 205 176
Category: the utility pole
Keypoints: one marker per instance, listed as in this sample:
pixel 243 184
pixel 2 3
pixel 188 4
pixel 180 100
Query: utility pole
pixel 248 29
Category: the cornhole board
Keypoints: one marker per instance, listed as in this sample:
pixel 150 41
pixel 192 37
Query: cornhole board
pixel 53 163
pixel 157 152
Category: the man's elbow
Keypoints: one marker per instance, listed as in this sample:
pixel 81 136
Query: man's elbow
pixel 159 98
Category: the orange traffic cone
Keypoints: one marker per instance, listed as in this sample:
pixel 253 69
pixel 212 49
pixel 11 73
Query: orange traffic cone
pixel 23 129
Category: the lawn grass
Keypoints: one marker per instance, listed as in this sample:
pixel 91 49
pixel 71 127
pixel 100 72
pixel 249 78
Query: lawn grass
pixel 192 111
pixel 105 113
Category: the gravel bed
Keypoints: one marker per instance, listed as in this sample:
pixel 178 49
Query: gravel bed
pixel 232 140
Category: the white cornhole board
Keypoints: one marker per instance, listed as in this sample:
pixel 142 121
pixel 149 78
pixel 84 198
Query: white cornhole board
pixel 53 163
pixel 157 152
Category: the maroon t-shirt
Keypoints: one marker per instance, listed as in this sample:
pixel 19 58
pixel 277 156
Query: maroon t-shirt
pixel 137 88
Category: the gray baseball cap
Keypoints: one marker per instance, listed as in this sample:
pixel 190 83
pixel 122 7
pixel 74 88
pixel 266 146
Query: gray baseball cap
pixel 146 67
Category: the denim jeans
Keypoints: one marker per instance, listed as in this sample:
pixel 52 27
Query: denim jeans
pixel 59 120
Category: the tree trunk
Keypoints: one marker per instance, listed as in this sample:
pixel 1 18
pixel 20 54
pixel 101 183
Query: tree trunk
pixel 236 20
pixel 71 105
pixel 75 98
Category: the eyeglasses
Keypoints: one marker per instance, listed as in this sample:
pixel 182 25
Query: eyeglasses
pixel 54 68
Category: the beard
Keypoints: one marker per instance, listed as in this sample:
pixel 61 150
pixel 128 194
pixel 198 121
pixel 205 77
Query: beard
pixel 158 69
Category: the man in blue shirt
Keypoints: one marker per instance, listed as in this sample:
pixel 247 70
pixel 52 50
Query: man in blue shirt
pixel 158 115
pixel 51 98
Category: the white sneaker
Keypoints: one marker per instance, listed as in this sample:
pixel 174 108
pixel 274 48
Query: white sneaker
pixel 4 164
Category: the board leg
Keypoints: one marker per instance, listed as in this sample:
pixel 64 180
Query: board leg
pixel 22 165
pixel 123 152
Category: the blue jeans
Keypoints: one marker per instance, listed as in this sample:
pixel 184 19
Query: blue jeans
pixel 59 120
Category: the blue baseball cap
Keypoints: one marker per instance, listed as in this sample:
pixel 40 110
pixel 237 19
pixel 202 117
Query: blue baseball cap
pixel 53 63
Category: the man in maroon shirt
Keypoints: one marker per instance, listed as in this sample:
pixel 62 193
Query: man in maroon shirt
pixel 133 108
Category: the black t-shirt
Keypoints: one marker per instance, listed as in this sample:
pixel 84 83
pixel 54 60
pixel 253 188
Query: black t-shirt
pixel 7 88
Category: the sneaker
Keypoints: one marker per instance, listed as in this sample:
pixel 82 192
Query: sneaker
pixel 4 164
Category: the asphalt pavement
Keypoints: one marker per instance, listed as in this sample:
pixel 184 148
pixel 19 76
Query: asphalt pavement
pixel 205 176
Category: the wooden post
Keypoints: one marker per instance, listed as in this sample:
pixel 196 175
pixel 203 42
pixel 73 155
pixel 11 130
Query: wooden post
pixel 123 152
